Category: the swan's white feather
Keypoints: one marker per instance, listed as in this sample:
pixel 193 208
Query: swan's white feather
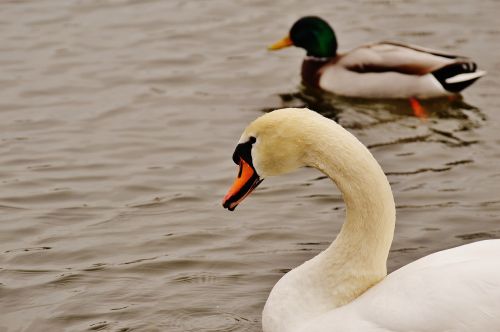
pixel 452 290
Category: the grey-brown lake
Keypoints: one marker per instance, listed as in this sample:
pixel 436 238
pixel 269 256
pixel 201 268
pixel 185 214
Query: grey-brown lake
pixel 118 122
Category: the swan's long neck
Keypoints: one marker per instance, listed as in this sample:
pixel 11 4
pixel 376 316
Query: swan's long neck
pixel 357 258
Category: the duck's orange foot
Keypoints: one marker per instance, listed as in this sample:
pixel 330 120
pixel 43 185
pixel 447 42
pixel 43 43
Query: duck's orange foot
pixel 418 110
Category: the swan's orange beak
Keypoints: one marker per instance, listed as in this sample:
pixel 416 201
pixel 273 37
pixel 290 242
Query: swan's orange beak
pixel 244 184
pixel 285 42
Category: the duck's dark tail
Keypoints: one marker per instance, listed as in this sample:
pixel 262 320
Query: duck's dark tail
pixel 458 75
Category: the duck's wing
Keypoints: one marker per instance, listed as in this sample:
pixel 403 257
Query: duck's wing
pixel 397 57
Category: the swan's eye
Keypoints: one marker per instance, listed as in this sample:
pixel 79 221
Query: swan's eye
pixel 252 139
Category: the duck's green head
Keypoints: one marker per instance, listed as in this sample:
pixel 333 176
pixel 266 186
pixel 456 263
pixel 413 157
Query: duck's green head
pixel 312 34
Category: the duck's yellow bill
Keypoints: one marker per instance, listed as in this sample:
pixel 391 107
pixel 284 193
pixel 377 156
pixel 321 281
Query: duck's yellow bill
pixel 285 42
pixel 244 184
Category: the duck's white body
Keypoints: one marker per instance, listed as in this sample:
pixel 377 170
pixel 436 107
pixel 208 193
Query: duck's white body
pixel 396 70
pixel 345 287
pixel 390 84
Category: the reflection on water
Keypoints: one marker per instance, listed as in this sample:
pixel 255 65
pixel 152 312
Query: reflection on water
pixel 447 118
pixel 119 120
pixel 331 106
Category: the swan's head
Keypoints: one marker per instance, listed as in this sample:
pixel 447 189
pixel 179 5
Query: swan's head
pixel 270 145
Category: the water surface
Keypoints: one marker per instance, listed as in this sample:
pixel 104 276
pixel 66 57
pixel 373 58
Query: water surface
pixel 119 119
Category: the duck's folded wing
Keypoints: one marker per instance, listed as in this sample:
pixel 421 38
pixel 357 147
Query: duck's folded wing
pixel 389 56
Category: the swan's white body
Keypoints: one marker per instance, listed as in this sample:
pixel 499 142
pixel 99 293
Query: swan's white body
pixel 452 290
pixel 345 287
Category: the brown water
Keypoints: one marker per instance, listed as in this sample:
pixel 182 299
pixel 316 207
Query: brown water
pixel 119 119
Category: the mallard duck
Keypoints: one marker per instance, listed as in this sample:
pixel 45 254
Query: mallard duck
pixel 345 287
pixel 379 70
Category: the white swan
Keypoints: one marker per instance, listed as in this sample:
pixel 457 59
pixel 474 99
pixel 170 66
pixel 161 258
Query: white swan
pixel 345 287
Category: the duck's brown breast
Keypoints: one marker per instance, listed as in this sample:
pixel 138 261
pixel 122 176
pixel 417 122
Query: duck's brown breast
pixel 311 70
